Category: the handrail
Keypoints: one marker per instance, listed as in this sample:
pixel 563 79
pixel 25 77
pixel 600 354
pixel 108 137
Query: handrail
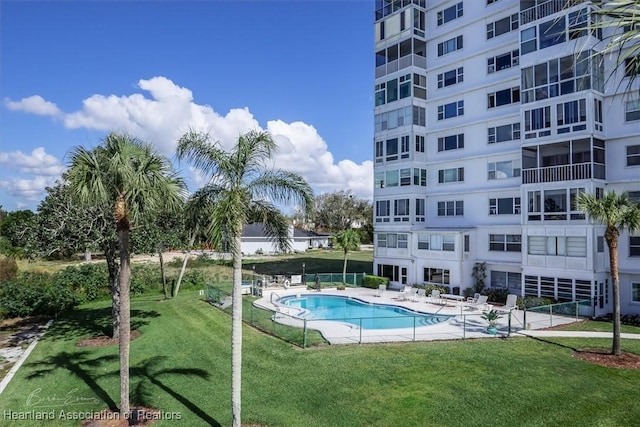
pixel 271 297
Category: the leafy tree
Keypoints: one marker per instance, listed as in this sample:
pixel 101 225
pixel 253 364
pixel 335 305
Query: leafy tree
pixel 348 240
pixel 617 213
pixel 240 187
pixel 126 173
pixel 339 211
pixel 19 230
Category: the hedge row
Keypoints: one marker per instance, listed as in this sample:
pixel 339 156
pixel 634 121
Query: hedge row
pixel 28 293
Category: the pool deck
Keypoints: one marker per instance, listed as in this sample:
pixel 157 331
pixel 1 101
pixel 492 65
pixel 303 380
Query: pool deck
pixel 465 322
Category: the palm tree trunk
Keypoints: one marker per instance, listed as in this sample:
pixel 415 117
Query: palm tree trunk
pixel 236 330
pixel 114 286
pixel 612 241
pixel 344 269
pixel 184 263
pixel 125 304
pixel 162 275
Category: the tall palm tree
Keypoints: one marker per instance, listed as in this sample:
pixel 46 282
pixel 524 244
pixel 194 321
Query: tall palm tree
pixel 241 187
pixel 348 240
pixel 617 213
pixel 126 173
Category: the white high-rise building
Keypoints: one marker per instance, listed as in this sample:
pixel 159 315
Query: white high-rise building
pixel 491 116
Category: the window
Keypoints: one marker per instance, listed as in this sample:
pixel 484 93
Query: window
pixel 450 45
pixel 600 244
pixel 632 66
pixel 383 210
pixel 380 94
pixel 503 170
pixel 448 111
pixel 391 178
pixel 402 20
pixel 559 76
pixel 451 77
pixel 419 144
pixel 552 32
pixel 378 180
pixel 392 240
pixel 405 86
pixel 420 210
pixel 503 97
pixel 503 62
pixel 393 273
pixel 510 132
pixel 401 210
pixel 505 242
pixel 505 279
pixel 448 243
pixel 632 110
pixel 538 118
pixel 404 147
pixel 451 208
pixel 449 14
pixel 405 177
pixel 451 142
pixel 570 246
pixel 436 275
pixel 528 40
pixel 504 206
pixel 466 243
pixel 423 241
pixel 635 292
pixel 633 155
pixel 450 175
pixel 392 149
pixel 502 26
pixel 420 177
pixel 419 116
pixel 394 118
pixel 436 242
pixel 420 86
pixel 634 246
pixel 571 112
pixel 578 24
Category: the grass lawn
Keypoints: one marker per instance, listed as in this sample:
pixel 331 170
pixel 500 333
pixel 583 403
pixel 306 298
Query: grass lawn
pixel 598 326
pixel 181 363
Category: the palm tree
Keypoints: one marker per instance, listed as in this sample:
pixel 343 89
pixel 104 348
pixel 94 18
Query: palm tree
pixel 617 213
pixel 126 173
pixel 347 240
pixel 240 187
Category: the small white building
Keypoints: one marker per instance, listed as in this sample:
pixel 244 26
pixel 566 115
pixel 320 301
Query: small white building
pixel 256 241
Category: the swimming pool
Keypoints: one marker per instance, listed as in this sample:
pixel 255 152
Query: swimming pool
pixel 358 312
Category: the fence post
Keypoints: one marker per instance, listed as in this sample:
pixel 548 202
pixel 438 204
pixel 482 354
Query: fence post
pixel 509 327
pixel 360 341
pixel 414 328
pixel 524 317
pixel 304 334
pixel 577 310
pixel 551 315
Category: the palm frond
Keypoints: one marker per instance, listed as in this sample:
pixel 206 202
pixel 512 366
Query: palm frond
pixel 203 154
pixel 276 225
pixel 282 187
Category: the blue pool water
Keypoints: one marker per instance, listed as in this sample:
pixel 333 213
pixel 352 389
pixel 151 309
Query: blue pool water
pixel 359 313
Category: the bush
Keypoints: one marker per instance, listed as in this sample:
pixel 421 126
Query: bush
pixel 88 281
pixel 144 278
pixel 430 287
pixel 498 295
pixel 193 279
pixel 8 268
pixel 373 282
pixel 530 302
pixel 631 319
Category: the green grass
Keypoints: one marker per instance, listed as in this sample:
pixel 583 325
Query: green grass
pixel 181 363
pixel 598 326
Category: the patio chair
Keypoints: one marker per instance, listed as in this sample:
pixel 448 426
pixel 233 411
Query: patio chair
pixel 511 304
pixel 481 303
pixel 420 295
pixel 474 298
pixel 381 290
pixel 435 297
pixel 405 293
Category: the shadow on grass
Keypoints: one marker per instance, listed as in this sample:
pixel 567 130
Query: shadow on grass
pixel 92 322
pixel 312 266
pixel 150 373
pixel 78 363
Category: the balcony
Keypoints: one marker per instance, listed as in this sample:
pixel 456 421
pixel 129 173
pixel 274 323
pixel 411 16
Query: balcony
pixel 400 64
pixel 547 8
pixel 557 173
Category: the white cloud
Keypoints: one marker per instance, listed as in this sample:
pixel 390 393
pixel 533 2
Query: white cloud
pixel 170 111
pixel 38 162
pixel 34 105
pixel 29 189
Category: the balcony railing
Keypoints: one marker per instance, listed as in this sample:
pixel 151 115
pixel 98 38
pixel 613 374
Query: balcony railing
pixel 545 9
pixel 557 173
pixel 399 64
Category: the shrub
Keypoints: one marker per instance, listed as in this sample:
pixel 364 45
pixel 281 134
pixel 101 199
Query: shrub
pixel 145 277
pixel 193 279
pixel 88 281
pixel 8 268
pixel 430 287
pixel 631 319
pixel 497 295
pixel 530 302
pixel 373 282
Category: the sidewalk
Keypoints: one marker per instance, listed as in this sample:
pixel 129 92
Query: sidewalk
pixel 576 334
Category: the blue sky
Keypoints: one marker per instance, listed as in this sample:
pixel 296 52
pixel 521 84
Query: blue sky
pixel 73 70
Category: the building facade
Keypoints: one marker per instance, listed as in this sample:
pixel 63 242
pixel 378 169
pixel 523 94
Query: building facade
pixel 491 116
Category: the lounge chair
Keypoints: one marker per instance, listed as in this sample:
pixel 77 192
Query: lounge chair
pixel 381 290
pixel 511 304
pixel 405 293
pixel 480 303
